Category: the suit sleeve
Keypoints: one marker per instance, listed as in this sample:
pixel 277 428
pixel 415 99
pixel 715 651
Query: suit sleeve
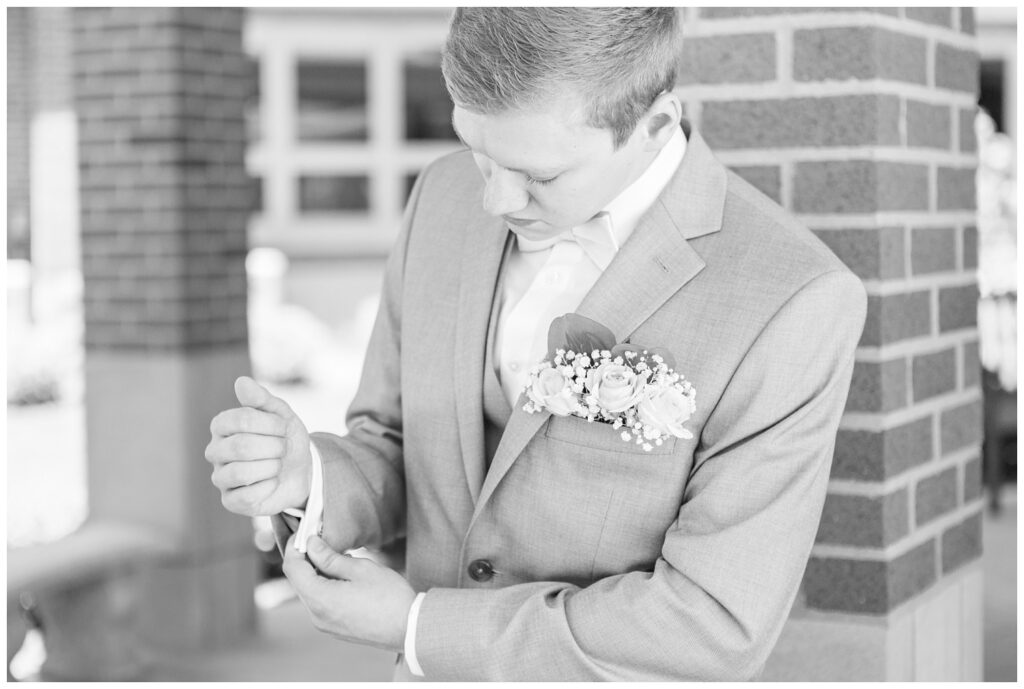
pixel 732 562
pixel 364 482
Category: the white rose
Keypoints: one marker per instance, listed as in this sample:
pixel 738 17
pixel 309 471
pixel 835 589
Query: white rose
pixel 666 409
pixel 552 390
pixel 616 387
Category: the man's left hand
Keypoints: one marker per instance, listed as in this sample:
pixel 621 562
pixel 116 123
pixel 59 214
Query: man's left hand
pixel 350 598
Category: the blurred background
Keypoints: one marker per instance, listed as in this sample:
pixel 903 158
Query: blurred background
pixel 342 109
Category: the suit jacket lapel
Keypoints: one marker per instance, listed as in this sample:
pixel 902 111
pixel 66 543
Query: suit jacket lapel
pixel 651 266
pixel 484 243
pixel 658 259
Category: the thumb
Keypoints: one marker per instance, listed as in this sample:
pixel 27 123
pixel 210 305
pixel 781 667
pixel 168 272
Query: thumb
pixel 333 564
pixel 252 394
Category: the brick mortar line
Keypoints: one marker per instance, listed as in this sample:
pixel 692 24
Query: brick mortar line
pixel 786 184
pixel 933 307
pixel 873 221
pixel 705 26
pixel 911 515
pixel 867 153
pixel 784 56
pixel 908 256
pixel 906 479
pixel 917 283
pixel 937 457
pixel 879 422
pixel 908 376
pixel 905 348
pixel 779 90
pixel 932 530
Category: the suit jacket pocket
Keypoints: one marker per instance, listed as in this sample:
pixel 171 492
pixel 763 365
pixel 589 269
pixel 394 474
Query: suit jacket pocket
pixel 644 489
pixel 601 436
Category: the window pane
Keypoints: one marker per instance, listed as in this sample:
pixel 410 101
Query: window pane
pixel 410 180
pixel 991 86
pixel 331 101
pixel 253 125
pixel 334 193
pixel 257 194
pixel 428 108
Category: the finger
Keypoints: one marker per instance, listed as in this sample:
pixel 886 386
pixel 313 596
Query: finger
pixel 252 394
pixel 247 420
pixel 297 568
pixel 246 447
pixel 248 499
pixel 332 564
pixel 238 474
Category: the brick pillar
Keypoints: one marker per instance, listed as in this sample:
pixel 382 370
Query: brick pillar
pixel 165 198
pixel 858 120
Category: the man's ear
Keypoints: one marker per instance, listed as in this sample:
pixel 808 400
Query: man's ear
pixel 662 120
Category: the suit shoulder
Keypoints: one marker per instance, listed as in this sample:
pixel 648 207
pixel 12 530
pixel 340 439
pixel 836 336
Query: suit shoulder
pixel 769 234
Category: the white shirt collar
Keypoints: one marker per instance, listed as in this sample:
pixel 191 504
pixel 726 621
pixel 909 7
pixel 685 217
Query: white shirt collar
pixel 626 209
pixel 629 206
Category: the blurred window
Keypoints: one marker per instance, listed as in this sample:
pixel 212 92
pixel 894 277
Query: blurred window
pixel 992 75
pixel 410 180
pixel 331 101
pixel 334 193
pixel 253 125
pixel 428 108
pixel 257 193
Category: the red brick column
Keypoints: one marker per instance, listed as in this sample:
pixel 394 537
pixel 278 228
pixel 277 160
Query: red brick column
pixel 859 121
pixel 165 200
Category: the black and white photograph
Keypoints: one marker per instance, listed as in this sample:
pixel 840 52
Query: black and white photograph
pixel 511 344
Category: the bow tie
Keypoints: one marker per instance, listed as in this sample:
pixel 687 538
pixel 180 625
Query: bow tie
pixel 594 237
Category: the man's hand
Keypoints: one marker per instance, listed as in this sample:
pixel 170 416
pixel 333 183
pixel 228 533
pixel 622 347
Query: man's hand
pixel 351 598
pixel 260 453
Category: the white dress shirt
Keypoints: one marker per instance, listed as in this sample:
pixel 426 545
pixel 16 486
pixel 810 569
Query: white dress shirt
pixel 543 280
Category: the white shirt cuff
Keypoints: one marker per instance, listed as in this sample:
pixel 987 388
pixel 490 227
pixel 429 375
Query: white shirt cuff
pixel 410 637
pixel 311 519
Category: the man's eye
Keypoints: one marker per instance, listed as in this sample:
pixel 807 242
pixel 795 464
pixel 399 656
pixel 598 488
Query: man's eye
pixel 531 180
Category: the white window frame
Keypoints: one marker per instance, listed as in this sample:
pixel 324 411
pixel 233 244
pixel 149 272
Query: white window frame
pixel 279 40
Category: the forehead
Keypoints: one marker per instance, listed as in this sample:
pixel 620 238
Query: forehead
pixel 532 139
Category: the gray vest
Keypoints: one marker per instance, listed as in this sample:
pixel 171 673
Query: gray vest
pixel 496 408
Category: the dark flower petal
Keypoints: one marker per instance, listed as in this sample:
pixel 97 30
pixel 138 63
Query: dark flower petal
pixel 579 334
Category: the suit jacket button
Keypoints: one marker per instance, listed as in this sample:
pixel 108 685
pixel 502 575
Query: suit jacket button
pixel 481 570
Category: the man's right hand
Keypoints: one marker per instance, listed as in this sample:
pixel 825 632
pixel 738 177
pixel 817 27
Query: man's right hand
pixel 260 453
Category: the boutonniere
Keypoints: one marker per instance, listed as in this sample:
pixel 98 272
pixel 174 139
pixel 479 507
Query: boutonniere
pixel 587 374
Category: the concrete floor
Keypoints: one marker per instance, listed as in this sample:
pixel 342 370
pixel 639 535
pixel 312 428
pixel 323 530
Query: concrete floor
pixel 288 648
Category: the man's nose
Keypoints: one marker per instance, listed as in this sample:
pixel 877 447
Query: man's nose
pixel 504 192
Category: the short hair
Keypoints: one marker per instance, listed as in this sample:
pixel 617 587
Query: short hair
pixel 618 59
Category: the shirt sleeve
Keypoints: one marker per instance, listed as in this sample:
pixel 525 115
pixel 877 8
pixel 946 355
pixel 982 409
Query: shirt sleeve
pixel 410 637
pixel 311 519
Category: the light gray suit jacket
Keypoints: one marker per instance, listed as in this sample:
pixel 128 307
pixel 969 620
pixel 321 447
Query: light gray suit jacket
pixel 610 562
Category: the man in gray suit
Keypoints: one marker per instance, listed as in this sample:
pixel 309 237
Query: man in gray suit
pixel 541 546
